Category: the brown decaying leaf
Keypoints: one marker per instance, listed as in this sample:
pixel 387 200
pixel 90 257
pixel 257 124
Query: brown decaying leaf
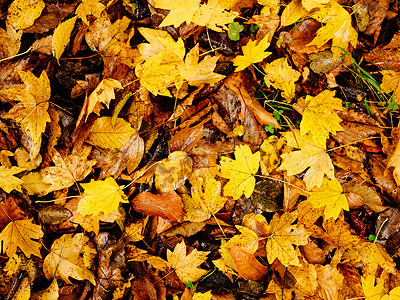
pixel 168 205
pixel 247 265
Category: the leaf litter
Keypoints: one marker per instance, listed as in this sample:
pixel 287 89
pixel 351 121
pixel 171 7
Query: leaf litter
pixel 199 149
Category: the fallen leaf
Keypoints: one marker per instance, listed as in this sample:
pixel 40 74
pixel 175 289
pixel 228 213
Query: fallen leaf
pixel 20 234
pixel 180 11
pixel 89 7
pixel 253 52
pixel 329 195
pixel 282 236
pixel 247 265
pixel 23 13
pixel 68 169
pixel 50 293
pixel 206 200
pixel 103 93
pixel 8 181
pixel 172 172
pixel 186 266
pixel 281 76
pixel 61 37
pixel 310 155
pixel 320 118
pixel 168 205
pixel 111 136
pixel 372 291
pixel 65 260
pixel 199 74
pixel 101 196
pixel 10 41
pixel 31 111
pixel 240 172
pixel 329 280
pixel 338 28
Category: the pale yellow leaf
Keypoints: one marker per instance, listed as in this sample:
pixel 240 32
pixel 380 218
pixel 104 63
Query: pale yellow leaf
pixel 281 76
pixel 61 37
pixel 65 260
pixel 106 135
pixel 330 195
pixel 180 11
pixel 198 74
pixel 103 93
pixel 23 13
pixel 21 234
pixel 8 181
pixel 311 156
pixel 89 7
pixel 186 266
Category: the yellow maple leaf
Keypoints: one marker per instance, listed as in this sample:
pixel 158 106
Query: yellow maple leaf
pixel 101 196
pixel 180 11
pixel 103 93
pixel 159 40
pixel 281 76
pixel 23 13
pixel 311 155
pixel 311 4
pixel 282 236
pixel 89 7
pixel 253 52
pixel 206 200
pixel 391 83
pixel 31 111
pixel 320 118
pixel 61 37
pixel 108 38
pixel 172 172
pixel 330 194
pixel 202 296
pixel 213 16
pixel 106 135
pixel 337 28
pixel 21 234
pixel 12 265
pixel 186 266
pixel 68 169
pixel 372 256
pixel 160 72
pixel 10 40
pixel 372 291
pixel 240 172
pixel 198 74
pixel 8 182
pixel 65 260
